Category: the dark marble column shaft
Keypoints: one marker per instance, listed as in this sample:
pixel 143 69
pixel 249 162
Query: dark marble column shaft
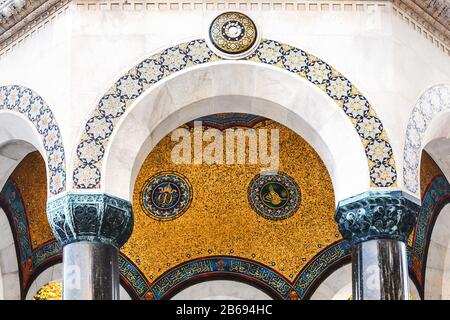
pixel 378 224
pixel 90 271
pixel 380 270
pixel 91 229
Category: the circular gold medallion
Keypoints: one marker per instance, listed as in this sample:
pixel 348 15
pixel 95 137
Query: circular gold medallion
pixel 166 196
pixel 233 33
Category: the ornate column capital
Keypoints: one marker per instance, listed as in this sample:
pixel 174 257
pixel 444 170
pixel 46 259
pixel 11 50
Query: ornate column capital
pixel 96 217
pixel 377 215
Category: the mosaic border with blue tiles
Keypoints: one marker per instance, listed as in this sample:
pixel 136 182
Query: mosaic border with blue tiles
pixel 112 106
pixel 436 196
pixel 28 103
pixel 162 287
pixel 321 265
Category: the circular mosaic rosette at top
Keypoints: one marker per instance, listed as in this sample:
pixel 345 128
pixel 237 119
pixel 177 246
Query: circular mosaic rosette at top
pixel 274 196
pixel 233 35
pixel 166 196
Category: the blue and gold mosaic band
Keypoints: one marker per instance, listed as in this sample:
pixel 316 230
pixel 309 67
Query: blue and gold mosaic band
pixel 167 284
pixel 436 196
pixel 320 266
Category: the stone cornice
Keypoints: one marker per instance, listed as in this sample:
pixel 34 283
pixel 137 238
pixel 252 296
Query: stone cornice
pixel 432 15
pixel 26 20
pixel 428 17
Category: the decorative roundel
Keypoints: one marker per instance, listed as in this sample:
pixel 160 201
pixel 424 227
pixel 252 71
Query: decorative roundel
pixel 274 197
pixel 233 35
pixel 166 196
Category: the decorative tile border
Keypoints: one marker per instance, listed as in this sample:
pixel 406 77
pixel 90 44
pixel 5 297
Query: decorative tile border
pixel 11 202
pixel 323 264
pixel 434 199
pixel 432 102
pixel 303 287
pixel 104 118
pixel 166 284
pixel 29 260
pixel 26 102
pixel 132 277
pixel 46 252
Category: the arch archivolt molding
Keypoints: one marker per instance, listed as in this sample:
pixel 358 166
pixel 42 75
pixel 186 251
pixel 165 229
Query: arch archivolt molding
pixel 26 102
pixel 434 101
pixel 104 118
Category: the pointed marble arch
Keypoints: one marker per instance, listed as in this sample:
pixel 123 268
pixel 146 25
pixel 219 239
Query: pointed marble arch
pixel 18 105
pixel 104 118
pixel 432 103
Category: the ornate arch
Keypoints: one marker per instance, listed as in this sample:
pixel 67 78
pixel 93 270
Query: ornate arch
pixel 435 198
pixel 26 102
pixel 323 264
pixel 106 115
pixel 304 285
pixel 433 101
pixel 220 266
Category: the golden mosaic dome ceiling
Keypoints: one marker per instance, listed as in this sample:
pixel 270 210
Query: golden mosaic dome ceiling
pixel 203 211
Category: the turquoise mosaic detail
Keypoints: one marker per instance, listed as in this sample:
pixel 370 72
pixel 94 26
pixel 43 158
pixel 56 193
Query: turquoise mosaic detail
pixel 323 264
pixel 167 284
pixel 132 277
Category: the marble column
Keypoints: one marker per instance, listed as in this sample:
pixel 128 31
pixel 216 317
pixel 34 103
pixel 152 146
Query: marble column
pixel 378 225
pixel 91 228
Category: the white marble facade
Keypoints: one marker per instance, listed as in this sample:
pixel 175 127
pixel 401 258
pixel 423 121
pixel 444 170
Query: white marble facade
pixel 83 53
pixel 84 49
pixel 221 290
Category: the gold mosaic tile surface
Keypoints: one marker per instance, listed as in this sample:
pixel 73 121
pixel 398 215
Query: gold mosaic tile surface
pixel 220 220
pixel 30 177
pixel 50 291
pixel 428 171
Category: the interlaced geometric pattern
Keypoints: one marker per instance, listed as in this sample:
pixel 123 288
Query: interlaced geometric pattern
pixel 110 108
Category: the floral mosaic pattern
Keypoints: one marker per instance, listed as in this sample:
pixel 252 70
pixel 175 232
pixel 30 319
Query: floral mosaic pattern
pixel 25 101
pixel 435 100
pixel 114 103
